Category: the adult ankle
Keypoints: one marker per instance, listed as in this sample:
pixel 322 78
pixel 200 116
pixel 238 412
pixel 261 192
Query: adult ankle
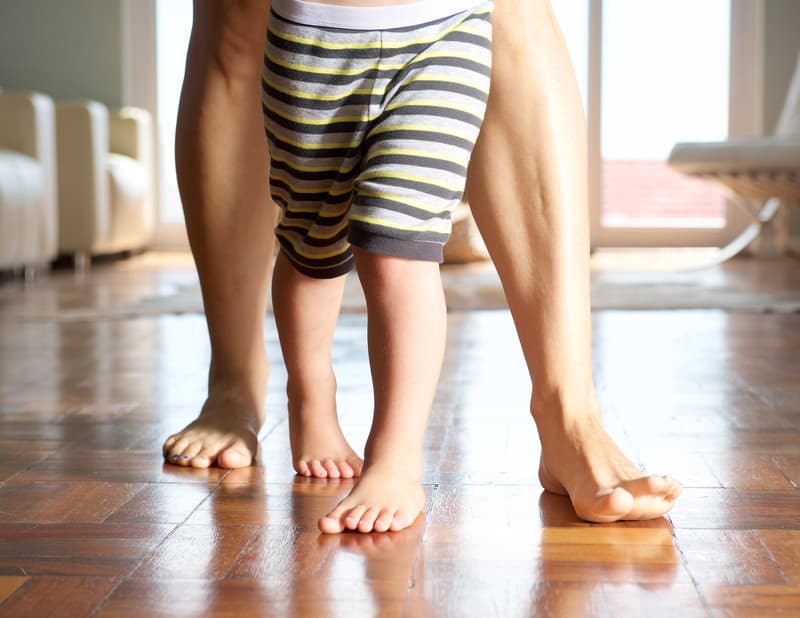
pixel 567 407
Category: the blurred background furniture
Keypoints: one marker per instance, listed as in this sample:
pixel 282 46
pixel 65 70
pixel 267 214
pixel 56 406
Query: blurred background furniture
pixel 28 211
pixel 105 188
pixel 762 174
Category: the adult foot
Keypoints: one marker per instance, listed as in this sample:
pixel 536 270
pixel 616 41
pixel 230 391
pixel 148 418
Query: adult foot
pixel 386 497
pixel 225 433
pixel 580 460
pixel 319 448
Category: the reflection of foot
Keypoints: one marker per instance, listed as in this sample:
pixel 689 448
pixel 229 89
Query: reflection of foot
pixel 225 432
pixel 580 460
pixel 377 546
pixel 319 448
pixel 386 497
pixel 645 555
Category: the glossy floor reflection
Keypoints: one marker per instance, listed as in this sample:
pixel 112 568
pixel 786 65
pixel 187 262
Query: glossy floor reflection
pixel 92 521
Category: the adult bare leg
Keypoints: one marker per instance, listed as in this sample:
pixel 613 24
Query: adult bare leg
pixel 527 186
pixel 222 164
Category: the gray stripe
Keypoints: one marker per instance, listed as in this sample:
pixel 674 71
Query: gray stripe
pixel 407 137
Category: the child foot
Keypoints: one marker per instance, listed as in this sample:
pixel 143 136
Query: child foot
pixel 580 460
pixel 225 433
pixel 319 448
pixel 384 498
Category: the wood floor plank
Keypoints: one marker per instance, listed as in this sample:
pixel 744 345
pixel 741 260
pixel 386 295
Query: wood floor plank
pixel 244 597
pixel 245 504
pixel 9 584
pixel 92 519
pixel 784 545
pixel 666 601
pixel 747 471
pixel 58 596
pixel 196 552
pixel 104 550
pixel 753 601
pixel 789 466
pixel 728 558
pixel 86 502
pixel 737 509
pixel 162 503
pixel 117 466
pixel 16 458
pixel 508 597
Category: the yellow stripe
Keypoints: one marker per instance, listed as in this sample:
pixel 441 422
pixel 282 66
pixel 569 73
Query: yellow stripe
pixel 312 146
pixel 313 256
pixel 342 225
pixel 314 168
pixel 430 103
pixel 319 236
pixel 449 55
pixel 377 44
pixel 411 177
pixel 313 96
pixel 422 127
pixel 311 209
pixel 281 175
pixel 301 223
pixel 376 66
pixel 331 71
pixel 322 121
pixel 444 78
pixel 416 153
pixel 371 117
pixel 403 200
pixel 395 226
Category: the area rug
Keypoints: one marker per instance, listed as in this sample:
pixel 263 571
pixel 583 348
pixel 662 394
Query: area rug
pixel 477 287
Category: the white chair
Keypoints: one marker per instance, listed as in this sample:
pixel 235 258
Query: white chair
pixel 28 212
pixel 105 188
pixel 763 170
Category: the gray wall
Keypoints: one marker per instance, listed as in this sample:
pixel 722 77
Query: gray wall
pixel 781 46
pixel 66 48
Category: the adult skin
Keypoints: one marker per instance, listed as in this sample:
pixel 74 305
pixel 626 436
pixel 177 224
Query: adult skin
pixel 527 187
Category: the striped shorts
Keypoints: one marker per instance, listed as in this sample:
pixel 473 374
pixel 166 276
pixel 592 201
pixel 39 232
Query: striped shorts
pixel 370 133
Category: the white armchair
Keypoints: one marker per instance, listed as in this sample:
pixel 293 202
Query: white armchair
pixel 105 188
pixel 28 212
pixel 764 170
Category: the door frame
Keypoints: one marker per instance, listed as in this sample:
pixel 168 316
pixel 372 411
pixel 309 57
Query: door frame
pixel 745 107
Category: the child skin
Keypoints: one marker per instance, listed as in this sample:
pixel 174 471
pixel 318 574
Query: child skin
pixel 407 324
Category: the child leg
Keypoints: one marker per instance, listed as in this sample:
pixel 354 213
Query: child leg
pixel 306 309
pixel 406 336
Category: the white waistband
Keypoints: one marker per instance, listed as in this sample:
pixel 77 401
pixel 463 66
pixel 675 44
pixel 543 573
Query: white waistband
pixel 370 17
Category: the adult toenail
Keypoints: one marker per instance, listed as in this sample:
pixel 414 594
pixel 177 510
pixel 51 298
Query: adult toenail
pixel 176 456
pixel 186 457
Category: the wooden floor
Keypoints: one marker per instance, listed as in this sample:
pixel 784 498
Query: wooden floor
pixel 92 521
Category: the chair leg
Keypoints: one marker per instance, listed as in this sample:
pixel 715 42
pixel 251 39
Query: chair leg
pixel 82 261
pixel 773 234
pixel 29 274
pixel 767 217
